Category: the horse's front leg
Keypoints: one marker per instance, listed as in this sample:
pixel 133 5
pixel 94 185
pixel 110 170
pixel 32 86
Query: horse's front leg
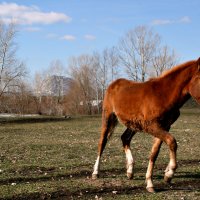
pixel 153 156
pixel 126 139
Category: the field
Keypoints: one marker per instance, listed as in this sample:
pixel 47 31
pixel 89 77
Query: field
pixel 53 158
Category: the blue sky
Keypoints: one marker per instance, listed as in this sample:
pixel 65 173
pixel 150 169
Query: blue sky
pixel 59 29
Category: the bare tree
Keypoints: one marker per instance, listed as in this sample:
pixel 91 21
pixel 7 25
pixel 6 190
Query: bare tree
pixel 81 71
pixel 110 61
pixel 106 67
pixel 49 84
pixel 39 88
pixel 11 69
pixel 97 80
pixel 164 59
pixel 21 100
pixel 92 74
pixel 101 71
pixel 136 50
pixel 72 100
pixel 57 74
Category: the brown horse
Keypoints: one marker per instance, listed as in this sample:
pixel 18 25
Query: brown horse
pixel 151 107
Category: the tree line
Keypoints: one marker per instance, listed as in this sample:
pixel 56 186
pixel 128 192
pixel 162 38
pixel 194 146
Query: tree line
pixel 139 55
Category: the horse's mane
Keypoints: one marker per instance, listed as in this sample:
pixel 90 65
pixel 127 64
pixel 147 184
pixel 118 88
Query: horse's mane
pixel 177 68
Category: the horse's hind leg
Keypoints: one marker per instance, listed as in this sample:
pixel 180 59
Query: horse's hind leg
pixel 126 139
pixel 166 137
pixel 108 125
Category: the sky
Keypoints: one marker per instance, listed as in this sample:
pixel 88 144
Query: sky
pixel 51 30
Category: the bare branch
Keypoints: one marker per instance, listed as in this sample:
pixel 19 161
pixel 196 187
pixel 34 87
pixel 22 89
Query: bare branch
pixel 136 50
pixel 11 69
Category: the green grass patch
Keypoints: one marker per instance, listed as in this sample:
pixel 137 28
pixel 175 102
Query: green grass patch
pixel 53 158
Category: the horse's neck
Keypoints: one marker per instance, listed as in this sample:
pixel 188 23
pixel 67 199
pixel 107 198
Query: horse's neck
pixel 175 84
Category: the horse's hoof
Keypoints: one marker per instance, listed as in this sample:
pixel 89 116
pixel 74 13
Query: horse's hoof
pixel 167 179
pixel 95 176
pixel 151 190
pixel 130 176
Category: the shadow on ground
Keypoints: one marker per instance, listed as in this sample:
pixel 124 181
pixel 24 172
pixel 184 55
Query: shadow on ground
pixel 91 193
pixel 27 120
pixel 184 182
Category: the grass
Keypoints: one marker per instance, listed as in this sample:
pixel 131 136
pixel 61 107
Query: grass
pixel 53 158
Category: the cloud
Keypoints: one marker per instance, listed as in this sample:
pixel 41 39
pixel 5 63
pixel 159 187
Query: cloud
pixel 68 37
pixel 184 20
pixel 89 37
pixel 28 15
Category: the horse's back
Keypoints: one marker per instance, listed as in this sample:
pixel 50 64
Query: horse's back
pixel 122 93
pixel 123 88
pixel 130 99
pixel 122 84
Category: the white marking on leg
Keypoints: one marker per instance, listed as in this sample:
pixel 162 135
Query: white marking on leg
pixel 130 161
pixel 169 172
pixel 96 166
pixel 149 175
